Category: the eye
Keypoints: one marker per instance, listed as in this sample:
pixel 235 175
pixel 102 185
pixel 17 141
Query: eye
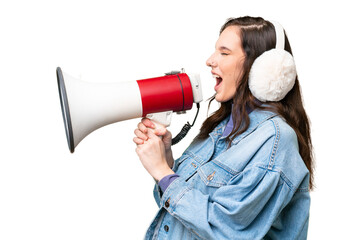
pixel 224 54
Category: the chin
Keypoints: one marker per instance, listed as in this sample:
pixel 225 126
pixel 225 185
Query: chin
pixel 221 99
pixel 217 98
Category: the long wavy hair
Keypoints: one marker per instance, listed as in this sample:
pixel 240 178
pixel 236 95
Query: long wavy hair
pixel 257 36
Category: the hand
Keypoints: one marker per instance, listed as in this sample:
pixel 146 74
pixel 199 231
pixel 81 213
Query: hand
pixel 141 136
pixel 151 149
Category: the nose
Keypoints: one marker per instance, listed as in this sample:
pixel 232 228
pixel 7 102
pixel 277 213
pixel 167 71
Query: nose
pixel 210 62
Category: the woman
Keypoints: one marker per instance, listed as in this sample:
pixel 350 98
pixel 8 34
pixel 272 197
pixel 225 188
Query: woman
pixel 248 173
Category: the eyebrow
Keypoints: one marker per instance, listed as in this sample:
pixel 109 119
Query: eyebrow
pixel 224 48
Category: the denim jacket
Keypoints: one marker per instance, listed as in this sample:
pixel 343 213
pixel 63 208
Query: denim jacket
pixel 256 189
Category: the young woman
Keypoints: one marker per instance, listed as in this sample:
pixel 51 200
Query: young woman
pixel 248 173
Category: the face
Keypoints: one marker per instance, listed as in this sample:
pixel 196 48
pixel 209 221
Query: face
pixel 226 63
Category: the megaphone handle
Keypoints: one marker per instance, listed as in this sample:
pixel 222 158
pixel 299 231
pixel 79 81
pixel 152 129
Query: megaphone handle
pixel 161 119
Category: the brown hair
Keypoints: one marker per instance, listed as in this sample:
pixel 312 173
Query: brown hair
pixel 258 36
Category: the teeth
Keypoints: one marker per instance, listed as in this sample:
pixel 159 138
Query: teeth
pixel 215 76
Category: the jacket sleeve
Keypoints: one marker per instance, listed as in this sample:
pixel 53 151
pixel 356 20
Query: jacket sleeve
pixel 235 211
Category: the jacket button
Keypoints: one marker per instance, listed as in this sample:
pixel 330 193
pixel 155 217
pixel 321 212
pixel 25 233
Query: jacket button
pixel 166 228
pixel 211 176
pixel 167 203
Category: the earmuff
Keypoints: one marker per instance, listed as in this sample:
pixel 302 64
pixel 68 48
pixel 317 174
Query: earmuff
pixel 273 73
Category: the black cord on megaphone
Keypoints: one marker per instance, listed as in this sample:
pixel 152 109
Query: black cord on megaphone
pixel 185 129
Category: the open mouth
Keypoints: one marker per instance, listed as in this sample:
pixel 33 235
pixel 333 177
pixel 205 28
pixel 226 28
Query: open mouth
pixel 218 81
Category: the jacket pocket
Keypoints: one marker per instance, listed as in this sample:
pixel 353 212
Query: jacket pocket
pixel 178 162
pixel 186 167
pixel 214 175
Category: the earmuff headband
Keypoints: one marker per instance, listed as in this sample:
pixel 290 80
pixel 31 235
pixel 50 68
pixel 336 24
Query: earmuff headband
pixel 280 36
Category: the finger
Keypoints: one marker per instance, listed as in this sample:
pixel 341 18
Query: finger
pixel 138 141
pixel 140 134
pixel 142 127
pixel 148 123
pixel 152 135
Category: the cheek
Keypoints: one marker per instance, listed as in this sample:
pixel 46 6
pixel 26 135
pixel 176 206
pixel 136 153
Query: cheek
pixel 234 75
pixel 232 71
pixel 230 67
pixel 231 89
pixel 231 77
pixel 228 90
pixel 231 84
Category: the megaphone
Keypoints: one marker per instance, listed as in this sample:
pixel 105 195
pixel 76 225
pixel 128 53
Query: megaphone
pixel 88 106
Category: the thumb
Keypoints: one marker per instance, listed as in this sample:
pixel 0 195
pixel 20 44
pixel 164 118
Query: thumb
pixel 160 131
pixel 167 139
pixel 167 136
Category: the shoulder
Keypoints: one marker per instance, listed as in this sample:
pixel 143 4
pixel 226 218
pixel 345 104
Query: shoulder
pixel 285 157
pixel 283 136
pixel 277 148
pixel 271 128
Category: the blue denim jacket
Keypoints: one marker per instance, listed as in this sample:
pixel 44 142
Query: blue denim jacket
pixel 256 189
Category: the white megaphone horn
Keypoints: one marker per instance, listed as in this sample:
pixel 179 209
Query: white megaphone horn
pixel 88 106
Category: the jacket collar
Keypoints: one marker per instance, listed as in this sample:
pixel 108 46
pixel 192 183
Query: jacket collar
pixel 257 117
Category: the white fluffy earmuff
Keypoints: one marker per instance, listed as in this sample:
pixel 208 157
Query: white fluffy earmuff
pixel 273 73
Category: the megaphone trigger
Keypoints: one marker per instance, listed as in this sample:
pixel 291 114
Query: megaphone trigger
pixel 161 119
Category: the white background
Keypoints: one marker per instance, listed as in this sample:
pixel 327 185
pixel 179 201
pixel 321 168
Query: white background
pixel 101 191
